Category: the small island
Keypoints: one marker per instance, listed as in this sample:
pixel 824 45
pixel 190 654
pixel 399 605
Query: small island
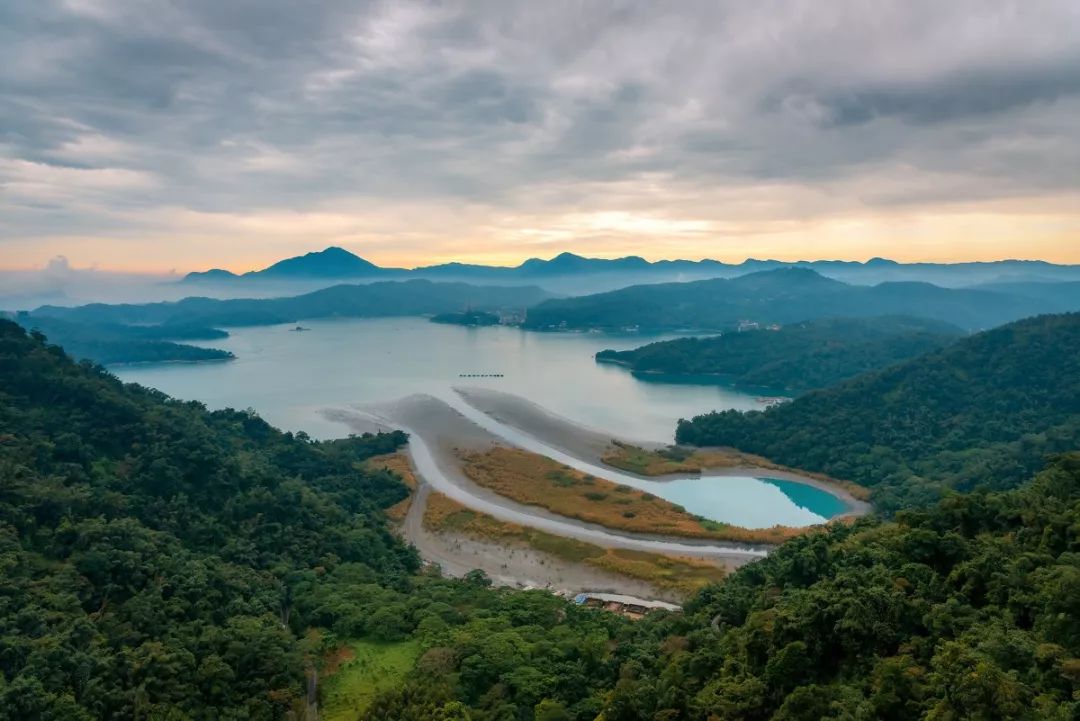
pixel 473 318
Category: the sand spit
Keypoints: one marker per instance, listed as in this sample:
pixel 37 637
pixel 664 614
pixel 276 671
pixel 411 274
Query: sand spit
pixel 438 432
pixel 588 445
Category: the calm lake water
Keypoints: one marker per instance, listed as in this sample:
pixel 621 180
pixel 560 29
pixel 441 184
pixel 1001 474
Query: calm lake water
pixel 289 377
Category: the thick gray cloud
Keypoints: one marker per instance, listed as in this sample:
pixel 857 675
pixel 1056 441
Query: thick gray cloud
pixel 115 115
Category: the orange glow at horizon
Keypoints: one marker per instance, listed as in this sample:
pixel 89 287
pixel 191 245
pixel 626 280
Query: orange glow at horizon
pixel 183 241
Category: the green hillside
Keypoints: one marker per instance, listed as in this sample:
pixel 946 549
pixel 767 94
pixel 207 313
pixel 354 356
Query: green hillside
pixel 165 562
pixel 781 296
pixel 984 411
pixel 795 358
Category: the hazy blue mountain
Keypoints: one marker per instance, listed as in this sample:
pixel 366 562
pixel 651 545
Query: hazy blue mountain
pixel 781 296
pixel 216 275
pixel 1065 296
pixel 572 274
pixel 330 263
pixel 333 263
pixel 385 298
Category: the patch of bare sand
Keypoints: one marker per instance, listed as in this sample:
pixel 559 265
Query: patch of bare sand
pixel 515 565
pixel 570 437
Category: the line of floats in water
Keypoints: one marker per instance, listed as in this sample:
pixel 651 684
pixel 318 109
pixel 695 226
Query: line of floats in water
pixel 480 375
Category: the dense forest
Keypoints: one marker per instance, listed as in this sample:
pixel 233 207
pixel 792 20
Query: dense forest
pixel 108 343
pixel 161 561
pixel 387 298
pixel 795 358
pixel 986 410
pixel 781 296
pixel 967 610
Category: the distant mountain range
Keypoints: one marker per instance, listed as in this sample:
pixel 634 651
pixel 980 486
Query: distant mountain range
pixel 789 295
pixel 372 300
pixel 336 264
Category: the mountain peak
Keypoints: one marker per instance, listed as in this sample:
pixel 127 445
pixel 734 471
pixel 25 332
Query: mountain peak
pixel 565 256
pixel 786 278
pixel 332 262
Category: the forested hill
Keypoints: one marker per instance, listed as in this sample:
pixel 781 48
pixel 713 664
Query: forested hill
pixel 780 296
pixel 152 551
pixel 158 561
pixel 108 343
pixel 983 411
pixel 388 298
pixel 795 358
pixel 969 611
pixel 164 562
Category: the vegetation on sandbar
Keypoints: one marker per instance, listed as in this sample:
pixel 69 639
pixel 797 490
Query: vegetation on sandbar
pixel 682 460
pixel 536 480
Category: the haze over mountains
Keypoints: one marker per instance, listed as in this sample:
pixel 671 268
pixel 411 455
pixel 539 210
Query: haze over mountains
pixel 413 297
pixel 565 274
pixel 785 296
pixel 570 274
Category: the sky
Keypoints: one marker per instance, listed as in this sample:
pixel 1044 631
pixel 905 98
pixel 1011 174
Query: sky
pixel 157 136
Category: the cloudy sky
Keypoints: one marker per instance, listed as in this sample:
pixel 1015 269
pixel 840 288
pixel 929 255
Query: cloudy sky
pixel 153 134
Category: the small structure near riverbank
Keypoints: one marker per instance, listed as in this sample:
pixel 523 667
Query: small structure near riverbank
pixel 628 606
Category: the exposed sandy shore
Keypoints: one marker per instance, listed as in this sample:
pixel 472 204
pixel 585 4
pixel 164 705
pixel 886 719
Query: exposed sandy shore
pixel 556 431
pixel 439 433
pixel 589 445
pixel 514 565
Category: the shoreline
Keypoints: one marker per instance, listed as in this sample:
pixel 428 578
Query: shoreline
pixel 516 565
pixel 589 445
pixel 437 431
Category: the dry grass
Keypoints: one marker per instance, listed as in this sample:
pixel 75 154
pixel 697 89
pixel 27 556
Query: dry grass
pixel 539 481
pixel 397 463
pixel 676 459
pixel 675 573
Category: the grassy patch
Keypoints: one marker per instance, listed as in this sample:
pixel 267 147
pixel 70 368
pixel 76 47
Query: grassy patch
pixel 397 463
pixel 680 460
pixel 634 459
pixel 681 575
pixel 360 671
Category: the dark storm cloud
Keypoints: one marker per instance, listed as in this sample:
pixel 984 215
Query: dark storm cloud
pixel 241 105
pixel 964 95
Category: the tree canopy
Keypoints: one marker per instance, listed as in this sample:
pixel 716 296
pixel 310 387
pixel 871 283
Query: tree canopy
pixel 985 411
pixel 794 358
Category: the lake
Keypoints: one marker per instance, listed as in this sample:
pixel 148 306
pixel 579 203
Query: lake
pixel 289 377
